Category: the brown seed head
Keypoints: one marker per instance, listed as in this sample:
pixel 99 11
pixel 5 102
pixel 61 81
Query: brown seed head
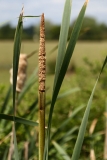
pixel 42 58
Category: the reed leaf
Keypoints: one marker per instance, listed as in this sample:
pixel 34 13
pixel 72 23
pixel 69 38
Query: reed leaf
pixel 18 119
pixel 80 138
pixel 63 37
pixel 62 65
pixel 61 52
pixel 16 51
pixel 68 54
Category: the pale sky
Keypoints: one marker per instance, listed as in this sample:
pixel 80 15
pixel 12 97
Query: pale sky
pixel 53 10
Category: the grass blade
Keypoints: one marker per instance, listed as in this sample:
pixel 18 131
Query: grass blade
pixel 61 151
pixel 18 119
pixel 78 145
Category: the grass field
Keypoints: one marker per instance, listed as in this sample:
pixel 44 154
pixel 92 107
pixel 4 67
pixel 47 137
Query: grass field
pixel 91 50
pixel 65 106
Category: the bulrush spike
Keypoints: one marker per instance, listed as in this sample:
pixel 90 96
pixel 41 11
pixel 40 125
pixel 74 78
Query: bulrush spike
pixel 42 58
pixel 41 92
pixel 87 1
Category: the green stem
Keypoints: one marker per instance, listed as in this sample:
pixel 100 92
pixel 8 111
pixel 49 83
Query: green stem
pixel 41 96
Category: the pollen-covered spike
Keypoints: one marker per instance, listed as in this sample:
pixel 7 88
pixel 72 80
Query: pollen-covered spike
pixel 87 1
pixel 42 56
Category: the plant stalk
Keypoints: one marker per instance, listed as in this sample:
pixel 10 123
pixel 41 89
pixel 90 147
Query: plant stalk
pixel 41 93
pixel 41 124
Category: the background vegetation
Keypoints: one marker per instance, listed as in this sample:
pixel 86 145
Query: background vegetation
pixel 81 76
pixel 91 30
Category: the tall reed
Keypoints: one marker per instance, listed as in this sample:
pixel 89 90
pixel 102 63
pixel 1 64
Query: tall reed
pixel 41 92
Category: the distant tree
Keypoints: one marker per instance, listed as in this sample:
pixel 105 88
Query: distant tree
pixel 48 29
pixel 7 32
pixel 55 31
pixel 28 32
pixel 91 30
pixel 51 30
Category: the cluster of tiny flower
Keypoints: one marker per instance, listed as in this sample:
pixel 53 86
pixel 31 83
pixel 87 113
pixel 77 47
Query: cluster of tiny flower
pixel 21 77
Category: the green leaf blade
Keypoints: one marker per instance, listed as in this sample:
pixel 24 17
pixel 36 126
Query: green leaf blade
pixel 69 52
pixel 61 68
pixel 18 119
pixel 16 51
pixel 63 37
pixel 80 138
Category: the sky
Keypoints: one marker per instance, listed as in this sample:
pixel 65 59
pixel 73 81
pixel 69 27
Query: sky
pixel 53 10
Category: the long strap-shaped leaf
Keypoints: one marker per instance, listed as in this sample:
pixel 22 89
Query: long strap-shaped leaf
pixel 18 119
pixel 63 37
pixel 78 145
pixel 59 75
pixel 68 54
pixel 17 46
pixel 61 50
